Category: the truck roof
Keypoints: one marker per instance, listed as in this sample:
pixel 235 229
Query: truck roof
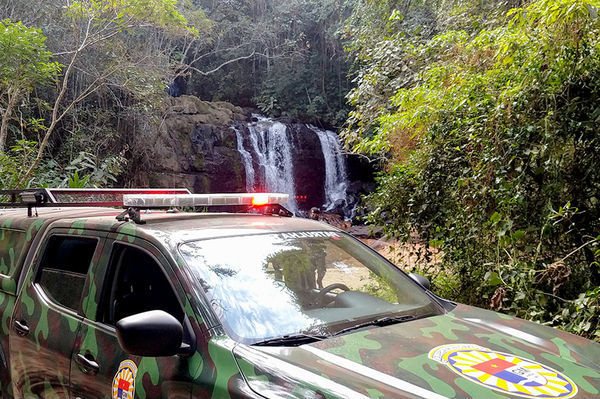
pixel 16 218
pixel 171 228
pixel 176 228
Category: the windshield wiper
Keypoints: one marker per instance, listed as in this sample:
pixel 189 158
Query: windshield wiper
pixel 302 338
pixel 291 340
pixel 381 322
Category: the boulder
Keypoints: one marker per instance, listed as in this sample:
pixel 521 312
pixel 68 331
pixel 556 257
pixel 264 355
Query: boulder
pixel 214 113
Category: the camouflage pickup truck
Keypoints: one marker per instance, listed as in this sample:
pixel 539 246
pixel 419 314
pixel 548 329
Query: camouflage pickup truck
pixel 100 303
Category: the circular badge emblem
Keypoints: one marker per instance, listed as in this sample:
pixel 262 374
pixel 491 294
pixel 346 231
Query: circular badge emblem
pixel 504 372
pixel 123 386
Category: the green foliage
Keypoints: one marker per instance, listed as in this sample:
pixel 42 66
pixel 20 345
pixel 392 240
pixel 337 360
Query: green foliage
pixel 162 13
pixel 581 316
pixel 115 61
pixel 491 136
pixel 392 42
pixel 113 47
pixel 11 162
pixel 76 182
pixel 25 62
pixel 119 57
pixel 85 170
pixel 290 58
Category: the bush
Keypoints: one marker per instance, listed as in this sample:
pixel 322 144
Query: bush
pixel 502 165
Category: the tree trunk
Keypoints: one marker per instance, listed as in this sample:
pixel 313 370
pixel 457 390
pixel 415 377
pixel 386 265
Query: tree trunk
pixel 268 62
pixel 56 118
pixel 13 98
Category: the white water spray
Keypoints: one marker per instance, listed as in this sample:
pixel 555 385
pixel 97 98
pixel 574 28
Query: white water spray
pixel 272 145
pixel 271 149
pixel 336 176
pixel 246 159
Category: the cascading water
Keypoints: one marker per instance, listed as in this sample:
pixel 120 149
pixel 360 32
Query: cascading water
pixel 246 159
pixel 268 158
pixel 336 177
pixel 273 149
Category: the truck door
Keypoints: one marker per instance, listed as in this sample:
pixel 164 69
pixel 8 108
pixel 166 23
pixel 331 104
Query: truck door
pixel 136 278
pixel 48 313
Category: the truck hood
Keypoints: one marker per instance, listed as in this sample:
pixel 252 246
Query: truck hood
pixel 466 353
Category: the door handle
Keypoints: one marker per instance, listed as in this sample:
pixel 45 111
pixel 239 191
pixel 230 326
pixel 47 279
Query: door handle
pixel 87 366
pixel 21 328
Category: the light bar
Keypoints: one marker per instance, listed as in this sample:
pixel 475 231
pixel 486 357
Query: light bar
pixel 193 200
pixel 260 199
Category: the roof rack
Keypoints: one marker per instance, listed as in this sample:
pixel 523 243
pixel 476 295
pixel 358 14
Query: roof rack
pixel 76 197
pixel 135 199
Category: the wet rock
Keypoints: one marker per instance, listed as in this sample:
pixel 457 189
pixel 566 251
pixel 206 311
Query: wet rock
pixel 362 231
pixel 309 166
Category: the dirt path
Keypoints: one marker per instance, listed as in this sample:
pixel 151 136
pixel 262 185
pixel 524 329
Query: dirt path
pixel 408 257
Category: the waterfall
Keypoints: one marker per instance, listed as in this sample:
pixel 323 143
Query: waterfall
pixel 272 145
pixel 268 156
pixel 336 177
pixel 246 159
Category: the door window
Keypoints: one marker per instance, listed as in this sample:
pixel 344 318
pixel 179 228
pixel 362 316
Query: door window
pixel 138 285
pixel 64 268
pixel 135 281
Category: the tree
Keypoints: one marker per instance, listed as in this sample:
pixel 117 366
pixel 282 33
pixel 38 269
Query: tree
pixel 384 34
pixel 120 56
pixel 96 23
pixel 25 64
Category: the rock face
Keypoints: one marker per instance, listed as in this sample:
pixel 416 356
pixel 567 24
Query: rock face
pixel 309 166
pixel 197 147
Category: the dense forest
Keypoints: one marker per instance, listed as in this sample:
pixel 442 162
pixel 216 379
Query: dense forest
pixel 482 116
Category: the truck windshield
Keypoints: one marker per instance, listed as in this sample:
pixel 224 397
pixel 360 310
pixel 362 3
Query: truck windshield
pixel 312 283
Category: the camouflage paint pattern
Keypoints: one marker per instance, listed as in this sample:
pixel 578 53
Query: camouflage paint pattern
pixel 382 362
pixel 364 361
pixel 40 360
pixel 192 375
pixel 16 236
pixel 168 377
pixel 19 237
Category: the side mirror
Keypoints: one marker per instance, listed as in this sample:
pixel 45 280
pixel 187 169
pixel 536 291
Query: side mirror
pixel 423 281
pixel 152 334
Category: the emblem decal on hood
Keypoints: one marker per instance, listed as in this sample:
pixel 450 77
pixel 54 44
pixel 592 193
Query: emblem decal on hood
pixel 123 386
pixel 504 372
